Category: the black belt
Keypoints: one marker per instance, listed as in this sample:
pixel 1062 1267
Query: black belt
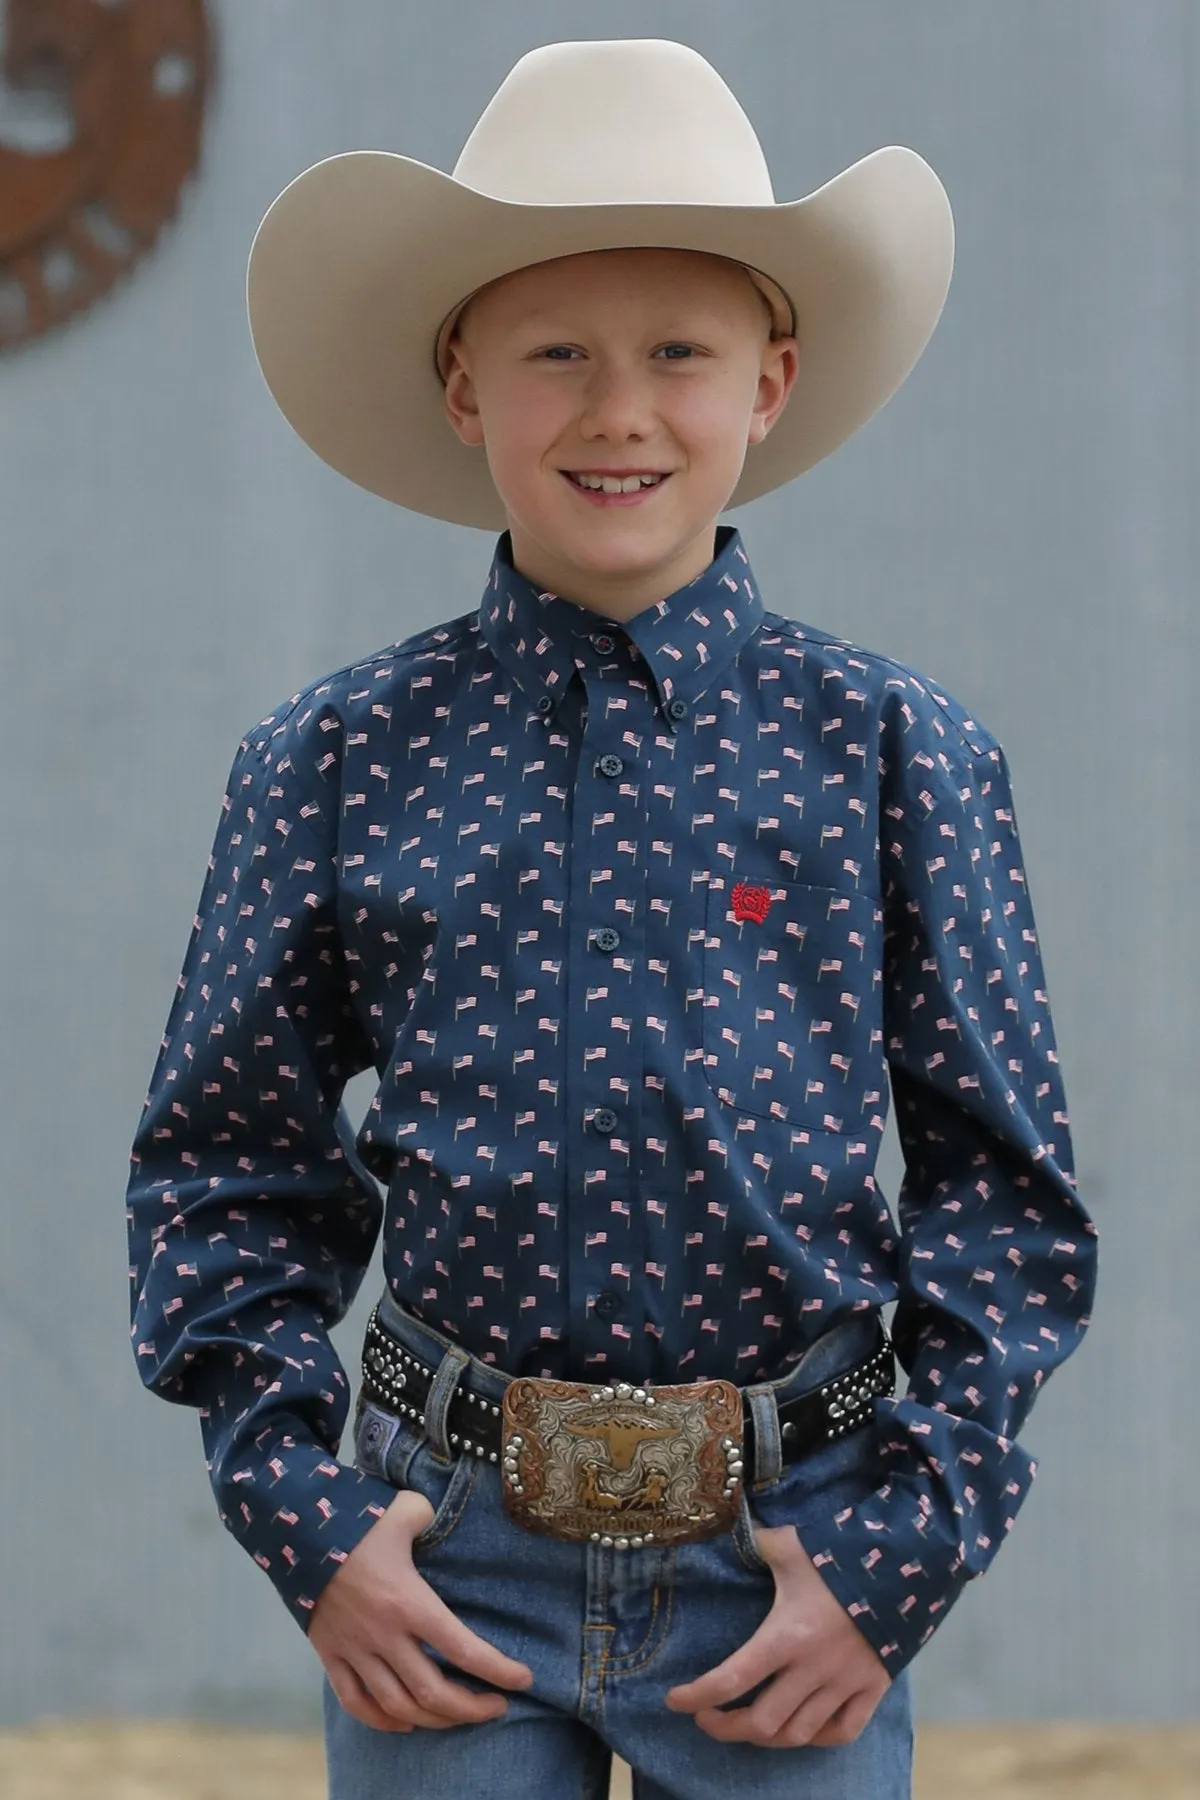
pixel 399 1381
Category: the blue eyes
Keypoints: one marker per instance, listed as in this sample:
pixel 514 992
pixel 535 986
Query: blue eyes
pixel 567 350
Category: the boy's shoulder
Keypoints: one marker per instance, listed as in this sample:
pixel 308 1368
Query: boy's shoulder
pixel 905 697
pixel 329 702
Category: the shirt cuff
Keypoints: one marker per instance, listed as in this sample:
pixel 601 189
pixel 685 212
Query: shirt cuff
pixel 297 1511
pixel 897 1561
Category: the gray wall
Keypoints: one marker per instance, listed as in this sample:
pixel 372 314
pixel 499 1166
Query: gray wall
pixel 1016 523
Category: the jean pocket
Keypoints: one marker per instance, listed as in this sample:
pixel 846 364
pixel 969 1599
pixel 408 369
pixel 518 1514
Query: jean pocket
pixel 793 1012
pixel 398 1452
pixel 841 1474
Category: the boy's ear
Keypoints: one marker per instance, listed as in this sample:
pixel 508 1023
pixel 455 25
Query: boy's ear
pixel 780 364
pixel 460 400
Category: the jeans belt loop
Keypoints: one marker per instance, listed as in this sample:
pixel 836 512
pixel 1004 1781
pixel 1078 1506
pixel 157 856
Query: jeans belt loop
pixel 759 1402
pixel 437 1402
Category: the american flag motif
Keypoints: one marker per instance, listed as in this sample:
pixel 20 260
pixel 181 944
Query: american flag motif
pixel 497 864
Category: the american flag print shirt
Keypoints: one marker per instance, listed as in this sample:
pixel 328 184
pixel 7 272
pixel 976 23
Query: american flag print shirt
pixel 640 926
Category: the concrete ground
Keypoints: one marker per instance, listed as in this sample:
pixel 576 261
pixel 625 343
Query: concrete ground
pixel 128 1761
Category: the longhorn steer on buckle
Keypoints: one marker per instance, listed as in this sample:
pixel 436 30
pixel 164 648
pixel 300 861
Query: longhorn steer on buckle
pixel 619 1464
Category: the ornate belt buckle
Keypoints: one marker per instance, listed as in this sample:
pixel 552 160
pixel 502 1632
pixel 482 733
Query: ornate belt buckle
pixel 621 1465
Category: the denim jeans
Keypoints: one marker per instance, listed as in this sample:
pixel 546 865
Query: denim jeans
pixel 607 1632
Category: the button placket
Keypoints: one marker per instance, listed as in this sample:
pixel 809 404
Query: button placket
pixel 609 847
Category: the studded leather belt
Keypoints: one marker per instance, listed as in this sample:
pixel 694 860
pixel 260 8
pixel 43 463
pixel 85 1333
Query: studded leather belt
pixel 616 1462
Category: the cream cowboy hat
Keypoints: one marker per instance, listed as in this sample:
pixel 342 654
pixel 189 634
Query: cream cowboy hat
pixel 361 265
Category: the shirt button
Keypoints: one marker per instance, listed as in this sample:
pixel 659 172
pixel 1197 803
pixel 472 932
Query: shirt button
pixel 545 705
pixel 604 1119
pixel 678 709
pixel 603 643
pixel 607 1303
pixel 611 765
pixel 607 938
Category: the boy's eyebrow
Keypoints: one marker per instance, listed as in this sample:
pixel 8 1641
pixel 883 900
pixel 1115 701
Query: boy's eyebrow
pixel 691 311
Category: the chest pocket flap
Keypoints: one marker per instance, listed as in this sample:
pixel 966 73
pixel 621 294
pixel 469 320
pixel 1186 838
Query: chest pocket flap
pixel 793 988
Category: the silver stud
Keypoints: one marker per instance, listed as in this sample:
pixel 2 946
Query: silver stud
pixel 610 1393
pixel 467 1444
pixel 636 1543
pixel 735 1467
pixel 606 1540
pixel 646 1536
pixel 650 1400
pixel 621 1543
pixel 595 1537
pixel 495 1412
pixel 639 1393
pixel 623 1390
pixel 454 1437
pixel 481 1450
pixel 788 1429
pixel 491 1456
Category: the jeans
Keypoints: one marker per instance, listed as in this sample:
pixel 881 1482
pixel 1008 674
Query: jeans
pixel 607 1632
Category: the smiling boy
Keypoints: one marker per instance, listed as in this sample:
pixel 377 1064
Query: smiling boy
pixel 639 898
pixel 617 364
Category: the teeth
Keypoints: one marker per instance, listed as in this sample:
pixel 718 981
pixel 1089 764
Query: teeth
pixel 614 484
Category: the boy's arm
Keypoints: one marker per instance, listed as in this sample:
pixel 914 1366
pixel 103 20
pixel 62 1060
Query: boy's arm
pixel 250 1226
pixel 998 1258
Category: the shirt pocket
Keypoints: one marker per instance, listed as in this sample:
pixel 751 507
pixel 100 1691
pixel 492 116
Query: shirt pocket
pixel 793 1026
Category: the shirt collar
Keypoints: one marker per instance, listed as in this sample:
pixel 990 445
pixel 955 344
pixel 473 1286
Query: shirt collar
pixel 683 642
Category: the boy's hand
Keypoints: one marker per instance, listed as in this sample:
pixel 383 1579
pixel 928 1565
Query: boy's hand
pixel 828 1679
pixel 370 1620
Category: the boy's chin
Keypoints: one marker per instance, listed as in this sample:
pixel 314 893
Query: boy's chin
pixel 618 546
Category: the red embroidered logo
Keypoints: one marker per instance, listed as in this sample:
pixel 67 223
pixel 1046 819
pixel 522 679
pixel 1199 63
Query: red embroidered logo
pixel 751 902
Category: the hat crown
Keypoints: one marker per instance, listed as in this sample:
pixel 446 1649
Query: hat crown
pixel 620 121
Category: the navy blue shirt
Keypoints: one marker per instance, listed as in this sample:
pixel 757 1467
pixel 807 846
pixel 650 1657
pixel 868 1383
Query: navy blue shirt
pixel 642 926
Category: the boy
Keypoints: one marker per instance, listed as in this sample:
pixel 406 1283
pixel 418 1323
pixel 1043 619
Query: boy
pixel 636 895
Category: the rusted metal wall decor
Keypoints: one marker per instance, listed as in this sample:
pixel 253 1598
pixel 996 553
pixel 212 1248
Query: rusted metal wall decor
pixel 114 95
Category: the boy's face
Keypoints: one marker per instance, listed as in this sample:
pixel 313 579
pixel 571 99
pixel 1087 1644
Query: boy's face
pixel 653 361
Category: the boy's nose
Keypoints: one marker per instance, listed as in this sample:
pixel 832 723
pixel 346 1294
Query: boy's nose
pixel 616 404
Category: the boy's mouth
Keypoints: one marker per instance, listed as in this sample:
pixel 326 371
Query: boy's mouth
pixel 615 490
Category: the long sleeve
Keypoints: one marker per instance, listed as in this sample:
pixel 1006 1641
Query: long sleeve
pixel 997 1258
pixel 250 1221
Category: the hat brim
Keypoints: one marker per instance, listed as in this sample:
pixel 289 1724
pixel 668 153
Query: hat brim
pixel 361 258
